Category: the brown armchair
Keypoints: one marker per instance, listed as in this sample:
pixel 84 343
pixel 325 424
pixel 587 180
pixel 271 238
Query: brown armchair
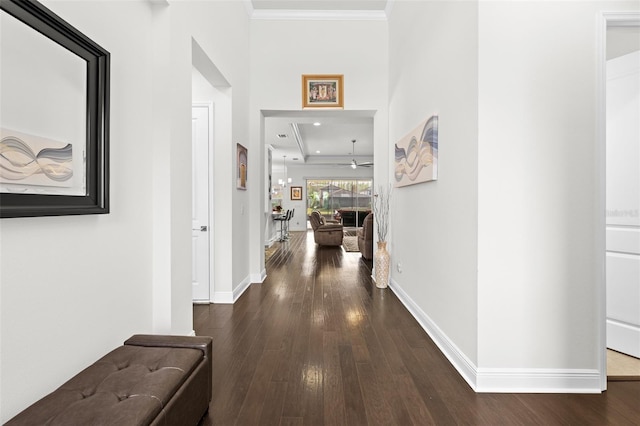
pixel 325 233
pixel 365 237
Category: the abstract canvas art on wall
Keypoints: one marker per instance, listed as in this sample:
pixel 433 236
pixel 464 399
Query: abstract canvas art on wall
pixel 416 155
pixel 34 161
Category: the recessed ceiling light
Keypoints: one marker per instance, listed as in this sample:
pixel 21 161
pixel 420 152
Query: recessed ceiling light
pixel 318 152
pixel 317 123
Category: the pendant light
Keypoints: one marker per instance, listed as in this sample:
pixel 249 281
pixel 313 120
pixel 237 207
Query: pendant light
pixel 283 182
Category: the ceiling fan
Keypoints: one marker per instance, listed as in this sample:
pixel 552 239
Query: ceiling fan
pixel 354 164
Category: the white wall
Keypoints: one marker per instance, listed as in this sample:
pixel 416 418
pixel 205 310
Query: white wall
pixel 433 70
pixel 221 31
pixel 538 280
pixel 282 51
pixel 221 28
pixel 506 274
pixel 75 287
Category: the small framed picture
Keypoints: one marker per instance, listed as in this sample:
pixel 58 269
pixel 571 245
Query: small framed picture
pixel 296 193
pixel 242 167
pixel 322 91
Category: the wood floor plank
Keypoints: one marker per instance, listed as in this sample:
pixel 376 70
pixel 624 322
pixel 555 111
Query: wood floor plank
pixel 353 399
pixel 428 390
pixel 318 344
pixel 273 402
pixel 411 400
pixel 333 391
pixel 252 406
pixel 292 421
pixel 376 405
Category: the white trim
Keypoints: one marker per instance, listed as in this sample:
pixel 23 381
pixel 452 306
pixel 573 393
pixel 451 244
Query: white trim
pixel 621 19
pixel 270 241
pixel 604 21
pixel 538 380
pixel 222 297
pixel 240 289
pixel 318 15
pixel 259 278
pixel 511 380
pixel 228 297
pixel 600 172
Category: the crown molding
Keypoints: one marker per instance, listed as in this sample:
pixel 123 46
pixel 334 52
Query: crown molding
pixel 621 18
pixel 318 15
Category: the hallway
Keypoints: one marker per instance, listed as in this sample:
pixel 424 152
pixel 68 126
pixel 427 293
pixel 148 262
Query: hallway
pixel 318 344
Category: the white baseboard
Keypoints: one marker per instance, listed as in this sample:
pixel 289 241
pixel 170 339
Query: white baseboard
pixel 222 297
pixel 537 380
pixel 623 337
pixel 244 285
pixel 259 278
pixel 270 242
pixel 230 297
pixel 504 380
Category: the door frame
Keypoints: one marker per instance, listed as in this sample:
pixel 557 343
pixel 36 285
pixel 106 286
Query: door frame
pixel 210 217
pixel 605 20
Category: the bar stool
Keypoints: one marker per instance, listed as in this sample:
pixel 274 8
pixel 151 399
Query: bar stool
pixel 282 219
pixel 287 220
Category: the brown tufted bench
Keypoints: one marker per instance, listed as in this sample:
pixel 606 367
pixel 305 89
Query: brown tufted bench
pixel 151 380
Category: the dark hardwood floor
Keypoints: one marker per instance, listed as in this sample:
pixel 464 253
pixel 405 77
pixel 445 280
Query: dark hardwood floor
pixel 318 344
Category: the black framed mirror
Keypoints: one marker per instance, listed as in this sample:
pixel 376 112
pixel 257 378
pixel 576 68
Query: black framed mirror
pixel 54 116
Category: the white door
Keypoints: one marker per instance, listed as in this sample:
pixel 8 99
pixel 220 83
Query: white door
pixel 623 204
pixel 200 136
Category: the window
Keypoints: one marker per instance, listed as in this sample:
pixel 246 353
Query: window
pixel 347 200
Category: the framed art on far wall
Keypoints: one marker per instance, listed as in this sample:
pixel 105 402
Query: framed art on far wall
pixel 322 91
pixel 296 193
pixel 242 167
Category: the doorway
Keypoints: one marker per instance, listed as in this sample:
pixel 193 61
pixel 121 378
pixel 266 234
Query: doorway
pixel 201 140
pixel 621 103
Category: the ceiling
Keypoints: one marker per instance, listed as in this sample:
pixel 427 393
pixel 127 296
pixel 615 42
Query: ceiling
pixel 294 134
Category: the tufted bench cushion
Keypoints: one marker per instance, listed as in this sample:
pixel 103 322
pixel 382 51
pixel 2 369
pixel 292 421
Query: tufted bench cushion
pixel 134 384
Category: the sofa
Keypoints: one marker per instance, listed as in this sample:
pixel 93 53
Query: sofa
pixel 325 233
pixel 351 218
pixel 150 380
pixel 365 237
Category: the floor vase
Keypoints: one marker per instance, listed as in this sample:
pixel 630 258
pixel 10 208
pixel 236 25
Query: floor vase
pixel 381 265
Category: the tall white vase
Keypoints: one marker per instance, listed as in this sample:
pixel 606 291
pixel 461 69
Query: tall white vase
pixel 381 264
